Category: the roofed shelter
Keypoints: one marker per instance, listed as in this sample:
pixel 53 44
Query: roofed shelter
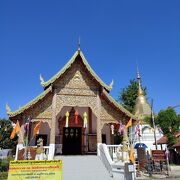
pixel 75 89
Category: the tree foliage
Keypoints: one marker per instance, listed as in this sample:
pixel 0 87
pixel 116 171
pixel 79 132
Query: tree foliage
pixel 127 96
pixel 169 122
pixel 148 120
pixel 5 132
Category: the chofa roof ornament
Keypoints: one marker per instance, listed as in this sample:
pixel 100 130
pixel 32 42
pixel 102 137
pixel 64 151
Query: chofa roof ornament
pixel 41 80
pixel 111 84
pixel 8 109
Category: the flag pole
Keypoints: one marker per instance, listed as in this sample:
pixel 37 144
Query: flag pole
pixel 152 117
pixel 131 133
pixel 26 147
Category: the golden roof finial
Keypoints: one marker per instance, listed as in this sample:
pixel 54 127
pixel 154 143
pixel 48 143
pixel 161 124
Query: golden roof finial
pixel 79 44
pixel 8 109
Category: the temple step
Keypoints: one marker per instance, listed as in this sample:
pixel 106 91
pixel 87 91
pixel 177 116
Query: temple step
pixel 87 167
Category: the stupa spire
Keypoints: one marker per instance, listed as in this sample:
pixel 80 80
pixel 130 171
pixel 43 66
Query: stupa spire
pixel 140 91
pixel 142 107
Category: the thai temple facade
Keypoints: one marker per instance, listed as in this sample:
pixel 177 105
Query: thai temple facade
pixel 142 133
pixel 76 111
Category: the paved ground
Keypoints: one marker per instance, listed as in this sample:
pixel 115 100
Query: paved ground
pixel 91 168
pixel 83 168
pixel 174 174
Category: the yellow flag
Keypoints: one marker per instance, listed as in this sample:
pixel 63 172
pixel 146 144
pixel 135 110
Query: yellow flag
pixel 67 119
pixel 36 128
pixel 85 120
pixel 131 155
pixel 15 130
pixel 129 123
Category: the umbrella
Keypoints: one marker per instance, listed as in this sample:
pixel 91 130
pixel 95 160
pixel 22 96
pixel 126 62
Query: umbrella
pixel 137 145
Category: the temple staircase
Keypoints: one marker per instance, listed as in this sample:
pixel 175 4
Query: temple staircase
pixel 88 167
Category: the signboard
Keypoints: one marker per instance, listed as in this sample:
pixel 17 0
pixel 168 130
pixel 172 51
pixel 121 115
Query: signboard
pixel 158 155
pixel 131 168
pixel 36 170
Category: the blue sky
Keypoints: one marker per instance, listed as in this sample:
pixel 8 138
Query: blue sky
pixel 41 36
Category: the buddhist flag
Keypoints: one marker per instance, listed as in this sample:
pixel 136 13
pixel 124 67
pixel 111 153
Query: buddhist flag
pixel 138 130
pixel 26 126
pixel 129 123
pixel 112 128
pixel 76 117
pixel 15 130
pixel 131 155
pixel 85 120
pixel 121 129
pixel 36 128
pixel 67 119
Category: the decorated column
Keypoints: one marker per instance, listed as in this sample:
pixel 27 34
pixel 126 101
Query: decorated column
pixel 99 138
pixel 125 154
pixel 53 126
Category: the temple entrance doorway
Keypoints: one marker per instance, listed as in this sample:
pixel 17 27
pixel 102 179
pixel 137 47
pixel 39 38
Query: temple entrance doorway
pixel 72 137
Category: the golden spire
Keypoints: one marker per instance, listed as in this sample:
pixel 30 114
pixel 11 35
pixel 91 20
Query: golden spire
pixel 142 107
pixel 140 91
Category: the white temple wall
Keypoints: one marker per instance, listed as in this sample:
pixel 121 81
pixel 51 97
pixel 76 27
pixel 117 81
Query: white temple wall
pixel 147 137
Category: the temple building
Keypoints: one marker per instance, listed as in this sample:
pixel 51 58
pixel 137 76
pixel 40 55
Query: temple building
pixel 76 111
pixel 142 132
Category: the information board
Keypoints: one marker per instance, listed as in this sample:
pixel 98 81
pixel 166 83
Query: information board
pixel 158 155
pixel 36 170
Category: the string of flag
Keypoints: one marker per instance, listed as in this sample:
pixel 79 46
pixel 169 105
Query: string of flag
pixel 85 120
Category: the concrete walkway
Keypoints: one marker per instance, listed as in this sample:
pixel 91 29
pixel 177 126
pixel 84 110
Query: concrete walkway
pixel 83 167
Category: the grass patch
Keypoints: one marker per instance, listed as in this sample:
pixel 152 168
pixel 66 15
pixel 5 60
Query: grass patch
pixel 4 167
pixel 3 175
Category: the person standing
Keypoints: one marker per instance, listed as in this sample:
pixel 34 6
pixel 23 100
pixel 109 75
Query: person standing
pixel 149 164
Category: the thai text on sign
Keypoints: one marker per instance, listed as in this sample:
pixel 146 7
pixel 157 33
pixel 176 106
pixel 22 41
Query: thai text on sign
pixel 36 170
pixel 158 155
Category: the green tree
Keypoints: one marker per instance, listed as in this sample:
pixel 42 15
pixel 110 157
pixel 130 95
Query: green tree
pixel 127 96
pixel 5 132
pixel 169 122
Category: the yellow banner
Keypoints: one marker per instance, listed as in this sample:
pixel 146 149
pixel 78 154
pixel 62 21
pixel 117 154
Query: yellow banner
pixel 36 170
